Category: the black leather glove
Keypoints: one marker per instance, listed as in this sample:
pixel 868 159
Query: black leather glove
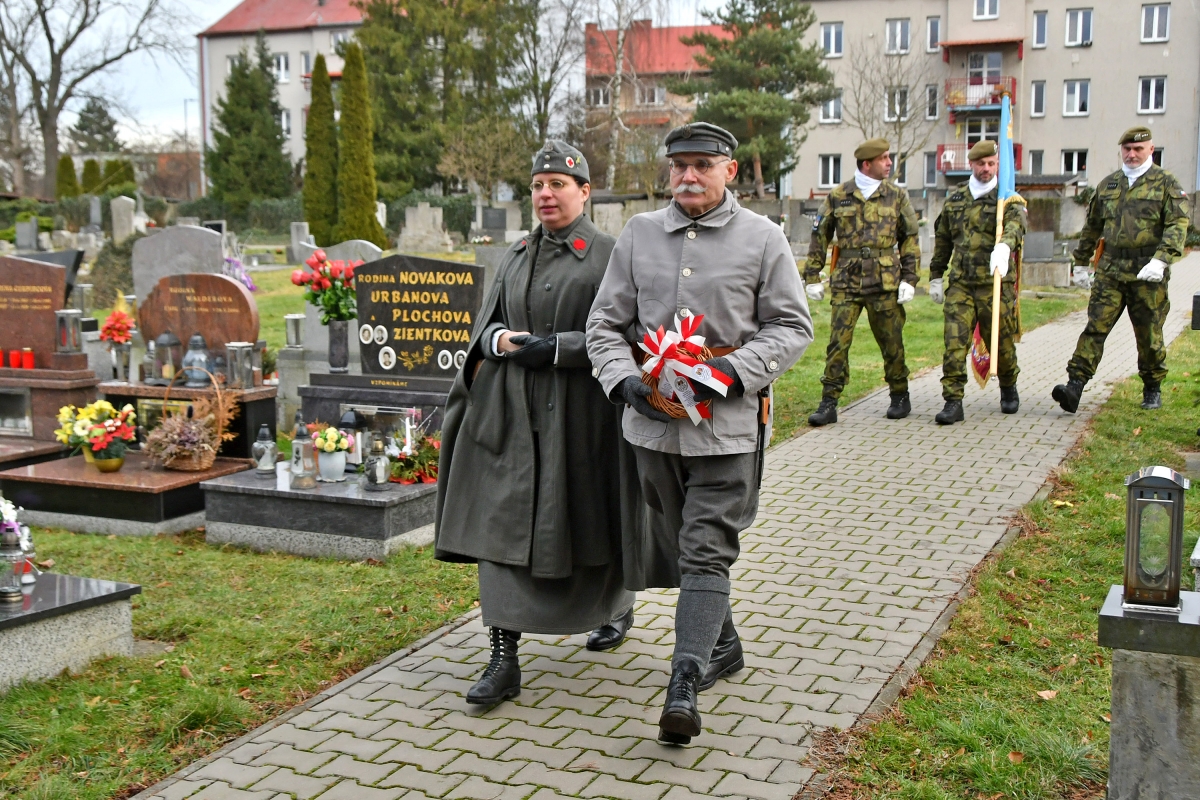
pixel 535 352
pixel 720 364
pixel 635 393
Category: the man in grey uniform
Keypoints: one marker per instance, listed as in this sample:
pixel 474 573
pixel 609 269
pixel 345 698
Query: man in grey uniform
pixel 702 255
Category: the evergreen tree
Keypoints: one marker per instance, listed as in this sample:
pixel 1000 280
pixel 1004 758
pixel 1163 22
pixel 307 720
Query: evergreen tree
pixel 96 131
pixel 91 176
pixel 118 171
pixel 66 182
pixel 321 159
pixel 356 157
pixel 248 161
pixel 762 82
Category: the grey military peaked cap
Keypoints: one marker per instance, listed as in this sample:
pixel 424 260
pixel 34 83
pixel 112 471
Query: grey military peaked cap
pixel 558 156
pixel 701 137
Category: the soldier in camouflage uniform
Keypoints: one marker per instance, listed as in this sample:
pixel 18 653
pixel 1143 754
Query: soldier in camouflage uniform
pixel 869 218
pixel 965 234
pixel 1142 213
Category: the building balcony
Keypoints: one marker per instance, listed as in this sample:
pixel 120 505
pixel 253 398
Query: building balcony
pixel 952 158
pixel 982 94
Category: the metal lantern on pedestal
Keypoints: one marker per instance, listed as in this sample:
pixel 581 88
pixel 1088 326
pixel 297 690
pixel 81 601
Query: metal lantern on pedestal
pixel 12 563
pixel 239 365
pixel 378 469
pixel 69 337
pixel 168 355
pixel 195 363
pixel 265 453
pixel 1154 539
pixel 294 326
pixel 355 425
pixel 304 468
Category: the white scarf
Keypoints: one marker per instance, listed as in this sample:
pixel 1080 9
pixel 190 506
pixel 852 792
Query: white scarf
pixel 978 189
pixel 1133 173
pixel 866 184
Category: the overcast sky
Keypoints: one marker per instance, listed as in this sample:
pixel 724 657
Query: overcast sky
pixel 151 92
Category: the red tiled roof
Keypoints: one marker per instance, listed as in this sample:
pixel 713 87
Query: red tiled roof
pixel 285 15
pixel 648 50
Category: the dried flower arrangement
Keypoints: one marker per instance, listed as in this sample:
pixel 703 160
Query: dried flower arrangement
pixel 190 442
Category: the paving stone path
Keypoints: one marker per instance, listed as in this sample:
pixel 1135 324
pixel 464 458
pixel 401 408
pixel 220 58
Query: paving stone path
pixel 866 532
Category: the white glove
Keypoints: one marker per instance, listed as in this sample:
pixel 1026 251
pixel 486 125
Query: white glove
pixel 815 291
pixel 935 291
pixel 1153 271
pixel 1081 277
pixel 1000 254
pixel 905 293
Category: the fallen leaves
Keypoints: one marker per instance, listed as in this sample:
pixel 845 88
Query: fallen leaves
pixel 1063 504
pixel 185 672
pixel 47 564
pixel 1016 756
pixel 1107 718
pixel 245 693
pixel 1012 573
pixel 1111 496
pixel 1044 642
pixel 158 664
pixel 1048 694
pixel 1137 431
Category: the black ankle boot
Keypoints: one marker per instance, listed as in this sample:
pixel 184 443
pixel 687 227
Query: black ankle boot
pixel 952 413
pixel 1067 394
pixel 900 407
pixel 611 634
pixel 680 720
pixel 825 414
pixel 502 677
pixel 726 657
pixel 1151 397
pixel 1010 401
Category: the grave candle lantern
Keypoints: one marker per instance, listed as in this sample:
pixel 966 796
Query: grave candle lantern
pixel 83 297
pixel 294 323
pixel 378 468
pixel 69 326
pixel 265 453
pixel 14 359
pixel 27 358
pixel 239 365
pixel 12 563
pixel 304 468
pixel 195 362
pixel 1154 539
pixel 355 424
pixel 168 355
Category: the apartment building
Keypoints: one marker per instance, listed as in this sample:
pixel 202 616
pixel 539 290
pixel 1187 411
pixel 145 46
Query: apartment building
pixel 1079 73
pixel 297 31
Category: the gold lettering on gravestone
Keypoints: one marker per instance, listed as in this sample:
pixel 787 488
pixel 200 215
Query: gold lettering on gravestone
pixel 18 297
pixel 186 299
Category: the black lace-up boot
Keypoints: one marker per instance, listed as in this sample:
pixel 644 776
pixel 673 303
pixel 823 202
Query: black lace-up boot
pixel 502 677
pixel 900 407
pixel 1010 401
pixel 680 720
pixel 1067 394
pixel 825 414
pixel 726 658
pixel 1151 397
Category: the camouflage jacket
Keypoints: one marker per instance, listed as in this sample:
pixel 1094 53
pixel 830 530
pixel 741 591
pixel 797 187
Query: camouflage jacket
pixel 1148 221
pixel 965 233
pixel 886 222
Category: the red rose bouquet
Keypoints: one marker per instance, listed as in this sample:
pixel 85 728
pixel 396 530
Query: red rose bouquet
pixel 330 286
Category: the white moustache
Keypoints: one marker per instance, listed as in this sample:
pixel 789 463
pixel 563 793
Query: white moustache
pixel 688 188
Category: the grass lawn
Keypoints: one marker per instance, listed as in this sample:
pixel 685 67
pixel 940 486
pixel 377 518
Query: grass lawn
pixel 799 391
pixel 1014 701
pixel 276 296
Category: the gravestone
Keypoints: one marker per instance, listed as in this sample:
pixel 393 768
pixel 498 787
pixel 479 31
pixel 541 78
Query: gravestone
pixel 193 221
pixel 43 241
pixel 30 292
pixel 70 259
pixel 300 235
pixel 381 213
pixel 217 307
pixel 95 214
pixel 122 209
pixel 608 217
pixel 495 218
pixel 351 250
pixel 177 250
pixel 1039 244
pixel 423 231
pixel 27 234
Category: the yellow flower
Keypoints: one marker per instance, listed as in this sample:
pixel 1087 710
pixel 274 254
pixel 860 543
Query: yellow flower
pixel 127 407
pixel 81 427
pixel 330 446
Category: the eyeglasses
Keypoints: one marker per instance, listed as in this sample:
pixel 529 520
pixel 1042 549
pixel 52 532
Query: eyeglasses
pixel 702 166
pixel 555 186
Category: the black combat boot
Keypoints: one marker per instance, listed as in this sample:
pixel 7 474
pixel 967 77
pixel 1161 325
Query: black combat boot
pixel 825 413
pixel 502 677
pixel 1068 394
pixel 1010 401
pixel 1151 397
pixel 900 407
pixel 680 720
pixel 726 657
pixel 951 414
pixel 611 634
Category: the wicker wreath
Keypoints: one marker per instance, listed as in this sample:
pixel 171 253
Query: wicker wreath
pixel 673 408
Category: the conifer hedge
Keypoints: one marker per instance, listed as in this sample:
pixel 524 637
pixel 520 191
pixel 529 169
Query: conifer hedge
pixel 321 159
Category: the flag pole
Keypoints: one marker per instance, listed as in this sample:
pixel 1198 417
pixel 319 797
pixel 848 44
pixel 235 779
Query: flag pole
pixel 1006 192
pixel 994 350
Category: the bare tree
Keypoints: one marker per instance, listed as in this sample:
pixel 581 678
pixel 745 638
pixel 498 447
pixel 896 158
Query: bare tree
pixel 614 18
pixel 488 152
pixel 14 116
pixel 71 42
pixel 550 44
pixel 883 94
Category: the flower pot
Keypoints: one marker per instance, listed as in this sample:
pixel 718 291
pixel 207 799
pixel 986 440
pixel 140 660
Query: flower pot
pixel 87 455
pixel 339 345
pixel 332 466
pixel 109 464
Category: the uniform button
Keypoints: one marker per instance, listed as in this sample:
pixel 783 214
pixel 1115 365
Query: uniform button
pixel 773 365
pixel 683 312
pixel 687 271
pixel 547 287
pixel 549 326
pixel 595 372
pixel 550 406
pixel 691 234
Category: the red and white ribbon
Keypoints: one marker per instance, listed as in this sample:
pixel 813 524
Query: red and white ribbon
pixel 673 362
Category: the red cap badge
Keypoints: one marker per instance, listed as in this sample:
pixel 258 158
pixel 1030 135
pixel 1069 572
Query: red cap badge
pixel 579 244
pixel 570 162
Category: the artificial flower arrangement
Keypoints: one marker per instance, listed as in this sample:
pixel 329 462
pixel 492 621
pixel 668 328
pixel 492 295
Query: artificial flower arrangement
pixel 233 268
pixel 422 465
pixel 118 328
pixel 99 427
pixel 190 441
pixel 330 286
pixel 331 440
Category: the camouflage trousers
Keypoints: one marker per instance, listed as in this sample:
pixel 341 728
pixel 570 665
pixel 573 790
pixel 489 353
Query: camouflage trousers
pixel 1148 304
pixel 886 317
pixel 967 304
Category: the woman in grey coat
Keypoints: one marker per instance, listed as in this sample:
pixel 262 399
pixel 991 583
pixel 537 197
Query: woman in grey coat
pixel 531 479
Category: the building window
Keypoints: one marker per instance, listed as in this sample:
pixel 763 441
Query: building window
pixel 1037 99
pixel 897 36
pixel 931 169
pixel 900 170
pixel 987 9
pixel 896 104
pixel 1152 95
pixel 831 39
pixel 984 68
pixel 831 171
pixel 933 34
pixel 279 66
pixel 651 95
pixel 1075 98
pixel 831 110
pixel 931 101
pixel 1039 29
pixel 981 128
pixel 598 96
pixel 285 123
pixel 230 63
pixel 1079 27
pixel 1157 156
pixel 337 38
pixel 1155 22
pixel 1035 162
pixel 1074 161
pixel 305 62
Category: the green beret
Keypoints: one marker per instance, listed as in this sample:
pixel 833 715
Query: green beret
pixel 982 149
pixel 701 137
pixel 560 157
pixel 872 148
pixel 1138 134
